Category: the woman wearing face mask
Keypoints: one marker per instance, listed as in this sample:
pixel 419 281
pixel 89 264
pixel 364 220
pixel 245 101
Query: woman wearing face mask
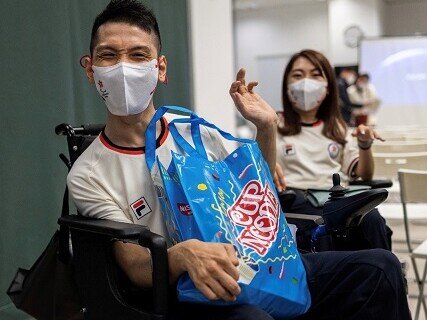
pixel 314 143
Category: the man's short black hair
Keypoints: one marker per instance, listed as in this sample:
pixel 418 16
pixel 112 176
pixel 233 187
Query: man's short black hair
pixel 128 11
pixel 364 75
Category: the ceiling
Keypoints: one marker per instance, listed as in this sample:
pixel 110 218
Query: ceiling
pixel 403 1
pixel 259 4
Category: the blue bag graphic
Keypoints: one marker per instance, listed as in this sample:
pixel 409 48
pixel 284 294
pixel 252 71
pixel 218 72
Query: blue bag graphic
pixel 232 201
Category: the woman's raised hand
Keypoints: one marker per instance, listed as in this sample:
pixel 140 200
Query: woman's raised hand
pixel 251 105
pixel 365 134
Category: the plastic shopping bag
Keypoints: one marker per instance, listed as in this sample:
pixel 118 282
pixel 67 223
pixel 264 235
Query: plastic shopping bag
pixel 231 200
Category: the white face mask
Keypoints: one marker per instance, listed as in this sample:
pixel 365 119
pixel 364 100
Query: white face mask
pixel 127 88
pixel 307 94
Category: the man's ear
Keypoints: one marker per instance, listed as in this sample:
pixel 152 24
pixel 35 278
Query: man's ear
pixel 162 69
pixel 86 62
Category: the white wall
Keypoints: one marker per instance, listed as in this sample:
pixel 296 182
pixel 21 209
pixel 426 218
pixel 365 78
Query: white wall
pixel 211 39
pixel 367 14
pixel 276 31
pixel 405 18
pixel 279 30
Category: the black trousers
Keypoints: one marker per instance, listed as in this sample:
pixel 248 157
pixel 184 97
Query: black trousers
pixel 371 233
pixel 347 285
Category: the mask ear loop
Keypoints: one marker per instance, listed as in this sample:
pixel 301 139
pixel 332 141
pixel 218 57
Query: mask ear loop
pixel 82 62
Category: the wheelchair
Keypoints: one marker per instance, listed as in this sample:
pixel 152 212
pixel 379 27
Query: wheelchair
pixel 331 230
pixel 104 290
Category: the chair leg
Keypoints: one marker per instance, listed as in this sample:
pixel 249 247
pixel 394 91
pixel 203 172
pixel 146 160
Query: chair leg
pixel 420 283
pixel 417 278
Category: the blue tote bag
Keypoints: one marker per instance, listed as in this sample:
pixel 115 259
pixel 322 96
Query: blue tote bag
pixel 231 200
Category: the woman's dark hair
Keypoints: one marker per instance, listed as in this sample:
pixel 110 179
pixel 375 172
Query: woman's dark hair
pixel 128 11
pixel 329 111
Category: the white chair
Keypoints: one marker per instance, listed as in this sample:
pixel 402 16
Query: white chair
pixel 413 189
pixel 400 146
pixel 387 164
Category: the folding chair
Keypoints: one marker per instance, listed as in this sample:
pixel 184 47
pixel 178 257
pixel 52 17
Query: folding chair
pixel 387 164
pixel 413 189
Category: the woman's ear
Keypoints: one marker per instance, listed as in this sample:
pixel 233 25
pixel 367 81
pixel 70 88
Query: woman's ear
pixel 86 62
pixel 162 62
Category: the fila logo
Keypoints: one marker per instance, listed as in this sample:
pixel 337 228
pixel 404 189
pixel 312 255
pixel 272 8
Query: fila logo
pixel 185 209
pixel 289 149
pixel 140 208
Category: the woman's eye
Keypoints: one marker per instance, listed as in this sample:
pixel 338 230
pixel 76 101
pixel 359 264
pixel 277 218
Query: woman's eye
pixel 317 74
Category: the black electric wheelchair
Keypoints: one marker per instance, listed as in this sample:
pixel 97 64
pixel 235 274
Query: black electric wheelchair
pixel 106 293
pixel 340 215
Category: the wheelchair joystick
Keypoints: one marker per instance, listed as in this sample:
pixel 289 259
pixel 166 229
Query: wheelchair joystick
pixel 337 191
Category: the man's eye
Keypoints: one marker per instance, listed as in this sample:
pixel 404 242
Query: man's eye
pixel 107 55
pixel 139 55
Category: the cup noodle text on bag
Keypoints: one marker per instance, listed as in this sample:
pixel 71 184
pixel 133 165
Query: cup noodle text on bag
pixel 257 211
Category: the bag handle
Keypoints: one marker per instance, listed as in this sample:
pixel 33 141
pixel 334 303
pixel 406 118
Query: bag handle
pixel 150 134
pixel 181 142
pixel 197 139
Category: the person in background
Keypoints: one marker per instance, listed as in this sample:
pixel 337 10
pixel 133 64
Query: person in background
pixel 314 143
pixel 363 93
pixel 346 78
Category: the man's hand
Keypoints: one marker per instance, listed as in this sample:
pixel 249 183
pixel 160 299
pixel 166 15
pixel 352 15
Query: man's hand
pixel 251 105
pixel 211 266
pixel 279 178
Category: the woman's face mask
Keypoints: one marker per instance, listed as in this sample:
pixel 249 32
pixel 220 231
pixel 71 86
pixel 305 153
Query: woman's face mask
pixel 127 88
pixel 307 94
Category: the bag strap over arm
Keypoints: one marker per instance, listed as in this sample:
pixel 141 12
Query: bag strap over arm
pixel 150 134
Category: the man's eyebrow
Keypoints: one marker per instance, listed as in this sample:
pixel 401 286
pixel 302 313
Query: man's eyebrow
pixel 144 48
pixel 105 47
pixel 109 47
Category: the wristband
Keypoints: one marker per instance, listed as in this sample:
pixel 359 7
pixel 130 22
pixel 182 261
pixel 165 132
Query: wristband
pixel 365 145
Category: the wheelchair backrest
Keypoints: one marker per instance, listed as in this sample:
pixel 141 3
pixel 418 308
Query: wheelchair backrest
pixel 78 139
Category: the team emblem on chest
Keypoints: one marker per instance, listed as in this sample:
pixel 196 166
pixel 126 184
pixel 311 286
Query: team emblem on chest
pixel 333 150
pixel 140 208
pixel 288 149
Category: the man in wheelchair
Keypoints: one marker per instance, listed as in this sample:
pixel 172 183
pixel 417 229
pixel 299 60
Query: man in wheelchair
pixel 110 181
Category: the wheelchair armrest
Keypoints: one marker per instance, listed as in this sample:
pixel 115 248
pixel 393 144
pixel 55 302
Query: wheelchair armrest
pixel 112 229
pixel 146 238
pixel 374 184
pixel 304 220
